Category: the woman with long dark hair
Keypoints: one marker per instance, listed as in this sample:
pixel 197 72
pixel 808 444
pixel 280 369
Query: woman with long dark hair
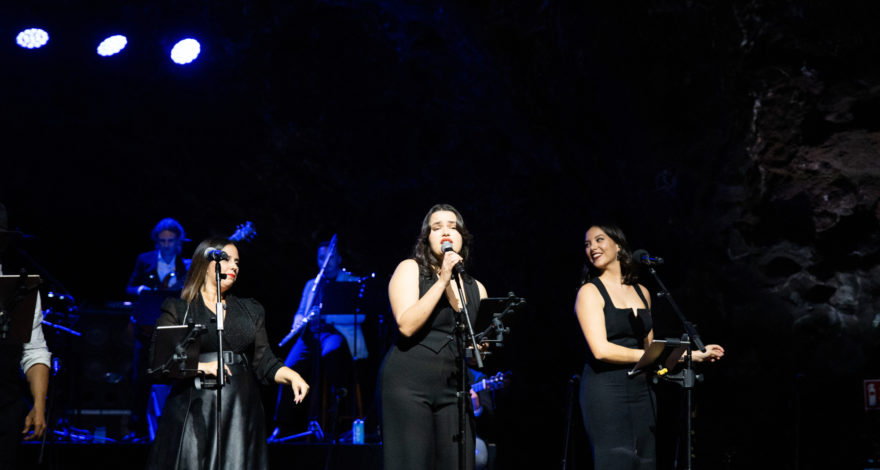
pixel 187 428
pixel 419 376
pixel 614 312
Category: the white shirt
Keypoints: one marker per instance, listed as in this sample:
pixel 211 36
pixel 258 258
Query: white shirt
pixel 35 351
pixel 164 269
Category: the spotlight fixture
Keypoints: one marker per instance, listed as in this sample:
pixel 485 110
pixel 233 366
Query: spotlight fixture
pixel 32 38
pixel 112 45
pixel 185 51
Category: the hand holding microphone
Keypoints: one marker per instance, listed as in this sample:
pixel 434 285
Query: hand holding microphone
pixel 451 259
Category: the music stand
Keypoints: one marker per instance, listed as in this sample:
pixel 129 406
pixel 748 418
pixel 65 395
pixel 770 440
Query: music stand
pixel 490 315
pixel 18 299
pixel 176 351
pixel 147 307
pixel 339 307
pixel 665 352
pixel 339 297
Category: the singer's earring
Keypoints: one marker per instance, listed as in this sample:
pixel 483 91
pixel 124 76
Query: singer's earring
pixel 618 255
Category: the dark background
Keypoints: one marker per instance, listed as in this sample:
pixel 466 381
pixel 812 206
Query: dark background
pixel 738 140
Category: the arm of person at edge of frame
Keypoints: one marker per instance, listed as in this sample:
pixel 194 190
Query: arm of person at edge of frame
pixel 38 379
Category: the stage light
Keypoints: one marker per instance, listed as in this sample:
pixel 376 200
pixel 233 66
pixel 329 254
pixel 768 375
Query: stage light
pixel 185 51
pixel 32 38
pixel 112 45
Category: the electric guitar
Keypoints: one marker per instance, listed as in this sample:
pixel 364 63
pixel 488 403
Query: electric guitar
pixel 244 232
pixel 496 382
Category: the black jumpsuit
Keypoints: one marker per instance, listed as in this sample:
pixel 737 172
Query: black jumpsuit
pixel 419 380
pixel 618 411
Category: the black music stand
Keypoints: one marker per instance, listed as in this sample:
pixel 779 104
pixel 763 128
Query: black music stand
pixel 175 351
pixel 662 354
pixel 18 299
pixel 489 321
pixel 147 307
pixel 339 304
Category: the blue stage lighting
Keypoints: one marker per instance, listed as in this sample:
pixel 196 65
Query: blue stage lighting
pixel 32 38
pixel 185 51
pixel 112 45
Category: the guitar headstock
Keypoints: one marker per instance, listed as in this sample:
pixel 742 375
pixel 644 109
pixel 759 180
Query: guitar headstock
pixel 244 232
pixel 496 382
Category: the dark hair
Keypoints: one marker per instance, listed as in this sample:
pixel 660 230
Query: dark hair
pixel 422 251
pixel 167 224
pixel 629 269
pixel 195 277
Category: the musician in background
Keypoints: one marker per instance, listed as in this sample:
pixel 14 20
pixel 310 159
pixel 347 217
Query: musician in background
pixel 158 274
pixel 162 268
pixel 32 358
pixel 483 405
pixel 338 337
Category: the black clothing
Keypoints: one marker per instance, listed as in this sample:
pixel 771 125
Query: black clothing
pixel 618 411
pixel 12 408
pixel 185 439
pixel 146 273
pixel 419 381
pixel 144 316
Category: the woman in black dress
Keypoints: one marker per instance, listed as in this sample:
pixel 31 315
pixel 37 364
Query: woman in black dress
pixel 419 376
pixel 614 312
pixel 187 428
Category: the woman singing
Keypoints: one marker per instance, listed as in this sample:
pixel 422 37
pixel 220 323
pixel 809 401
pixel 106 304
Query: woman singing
pixel 614 312
pixel 187 428
pixel 419 376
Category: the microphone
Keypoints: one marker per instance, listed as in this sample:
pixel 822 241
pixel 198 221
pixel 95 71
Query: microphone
pixel 446 246
pixel 215 255
pixel 642 256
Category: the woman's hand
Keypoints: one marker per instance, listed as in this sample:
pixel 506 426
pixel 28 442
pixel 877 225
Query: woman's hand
pixel 450 259
pixel 288 376
pixel 210 368
pixel 300 388
pixel 483 348
pixel 713 353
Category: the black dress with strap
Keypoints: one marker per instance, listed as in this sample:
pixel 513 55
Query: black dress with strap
pixel 618 410
pixel 419 381
pixel 185 439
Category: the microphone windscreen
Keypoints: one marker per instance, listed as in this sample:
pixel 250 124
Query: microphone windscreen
pixel 639 255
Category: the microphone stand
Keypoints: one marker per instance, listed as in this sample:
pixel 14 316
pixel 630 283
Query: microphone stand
pixel 464 332
pixel 687 377
pixel 221 367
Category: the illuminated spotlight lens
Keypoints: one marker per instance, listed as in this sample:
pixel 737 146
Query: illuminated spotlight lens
pixel 185 51
pixel 32 38
pixel 112 45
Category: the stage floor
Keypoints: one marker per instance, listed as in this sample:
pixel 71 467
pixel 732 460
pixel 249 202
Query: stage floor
pixel 68 456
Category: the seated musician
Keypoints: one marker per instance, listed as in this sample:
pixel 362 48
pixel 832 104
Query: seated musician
pixel 338 336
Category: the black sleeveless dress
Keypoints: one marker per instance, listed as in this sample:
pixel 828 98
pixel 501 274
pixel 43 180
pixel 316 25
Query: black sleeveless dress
pixel 419 380
pixel 618 411
pixel 185 439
